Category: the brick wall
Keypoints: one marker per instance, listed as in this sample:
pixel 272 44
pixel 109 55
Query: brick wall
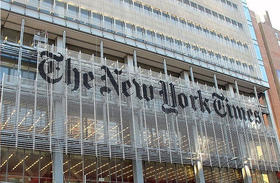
pixel 270 51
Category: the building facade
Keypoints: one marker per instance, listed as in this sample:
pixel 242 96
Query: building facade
pixel 133 91
pixel 268 40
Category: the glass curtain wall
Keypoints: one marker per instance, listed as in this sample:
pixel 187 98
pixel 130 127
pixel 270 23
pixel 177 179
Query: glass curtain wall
pixel 165 172
pixel 19 165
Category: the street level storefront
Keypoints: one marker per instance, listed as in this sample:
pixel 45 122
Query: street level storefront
pixel 90 119
pixel 36 166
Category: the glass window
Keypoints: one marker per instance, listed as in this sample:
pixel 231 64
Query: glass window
pixel 213 174
pixel 214 13
pixel 201 8
pixel 148 9
pixel 28 74
pixel 198 27
pixel 150 35
pixel 59 8
pixel 191 24
pixel 165 172
pixel 232 60
pixel 194 5
pixel 160 38
pixel 225 58
pixel 178 43
pixel 119 25
pixel 97 18
pixel 46 4
pixel 187 2
pixel 226 38
pixel 278 74
pixel 85 14
pixel 276 35
pixel 221 17
pixel 247 14
pixel 73 11
pixel 33 3
pixel 187 45
pixel 239 43
pixel 206 30
pixel 183 21
pixel 130 28
pixel 174 18
pixel 203 50
pixel 208 11
pixel 240 25
pixel 229 3
pixel 194 47
pixel 128 2
pixel 138 5
pixel 108 22
pixel 166 15
pixel 218 56
pixel 251 67
pixel 228 20
pixel 157 11
pixel 258 52
pixel 169 41
pixel 140 31
pixel 264 76
pixel 3 70
pixel 213 33
pixel 220 36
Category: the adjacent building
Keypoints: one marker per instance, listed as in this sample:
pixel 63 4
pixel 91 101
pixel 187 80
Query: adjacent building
pixel 133 91
pixel 269 42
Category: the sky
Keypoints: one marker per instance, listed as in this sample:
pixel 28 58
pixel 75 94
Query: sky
pixel 272 6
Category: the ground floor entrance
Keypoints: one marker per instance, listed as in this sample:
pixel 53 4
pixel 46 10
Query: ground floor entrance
pixel 19 165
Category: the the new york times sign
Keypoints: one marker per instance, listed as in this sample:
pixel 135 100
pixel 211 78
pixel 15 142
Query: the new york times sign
pixel 171 99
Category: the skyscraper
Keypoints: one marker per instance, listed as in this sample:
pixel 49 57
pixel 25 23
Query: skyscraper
pixel 133 91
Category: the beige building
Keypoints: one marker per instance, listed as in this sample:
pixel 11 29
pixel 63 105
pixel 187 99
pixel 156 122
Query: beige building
pixel 133 91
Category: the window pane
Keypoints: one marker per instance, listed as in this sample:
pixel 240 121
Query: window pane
pixel 59 8
pixel 3 70
pixel 258 52
pixel 264 76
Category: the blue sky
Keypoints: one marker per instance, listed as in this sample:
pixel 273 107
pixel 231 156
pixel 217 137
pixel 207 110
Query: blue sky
pixel 272 6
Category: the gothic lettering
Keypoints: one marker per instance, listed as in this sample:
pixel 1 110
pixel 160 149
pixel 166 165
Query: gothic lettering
pixel 138 89
pixel 111 79
pixel 203 103
pixel 126 85
pixel 51 64
pixel 250 114
pixel 165 106
pixel 87 77
pixel 182 100
pixel 50 70
pixel 218 105
pixel 193 98
pixel 146 90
